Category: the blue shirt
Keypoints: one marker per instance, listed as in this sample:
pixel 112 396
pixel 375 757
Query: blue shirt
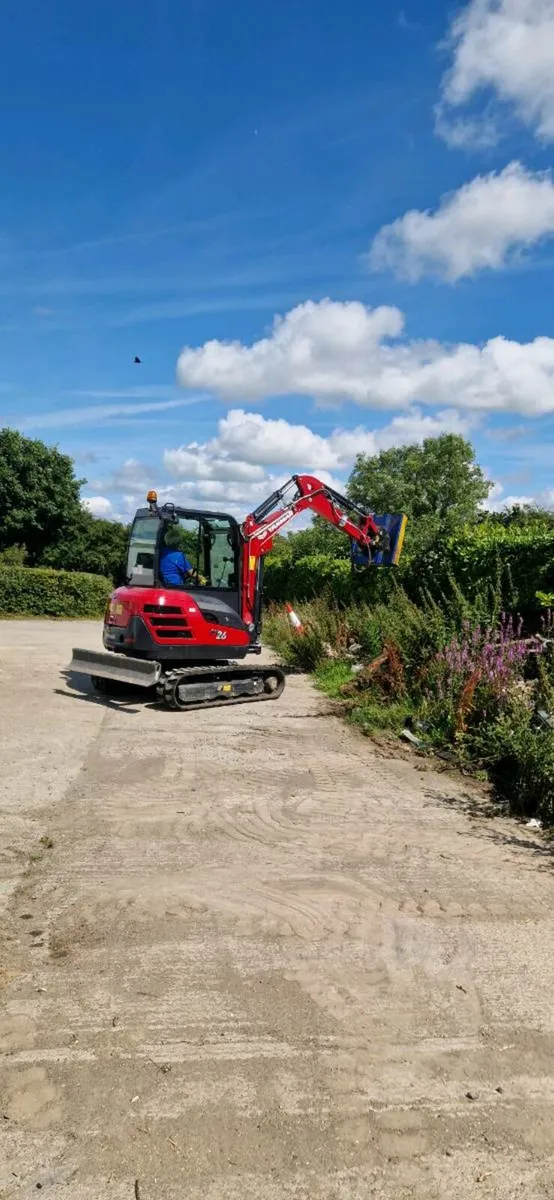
pixel 173 566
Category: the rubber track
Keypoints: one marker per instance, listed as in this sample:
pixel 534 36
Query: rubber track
pixel 168 684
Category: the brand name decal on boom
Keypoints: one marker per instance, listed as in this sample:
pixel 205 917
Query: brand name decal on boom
pixel 273 525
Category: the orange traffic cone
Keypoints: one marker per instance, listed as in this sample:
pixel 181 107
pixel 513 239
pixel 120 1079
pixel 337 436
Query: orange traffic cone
pixel 294 619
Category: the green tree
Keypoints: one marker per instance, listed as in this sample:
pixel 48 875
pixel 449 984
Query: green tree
pixel 437 484
pixel 39 494
pixel 90 544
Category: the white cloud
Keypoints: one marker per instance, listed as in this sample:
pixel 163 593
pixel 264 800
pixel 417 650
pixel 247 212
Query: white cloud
pixel 222 492
pixel 342 351
pixel 493 502
pixel 247 443
pixel 497 501
pixel 503 48
pixel 308 340
pixel 543 499
pixel 256 439
pixel 203 462
pixel 513 501
pixel 99 506
pixel 412 427
pixel 478 226
pixel 131 475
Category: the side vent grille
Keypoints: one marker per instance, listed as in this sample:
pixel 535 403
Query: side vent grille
pixel 167 622
pixel 171 609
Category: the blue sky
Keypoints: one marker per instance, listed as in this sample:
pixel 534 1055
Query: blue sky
pixel 178 175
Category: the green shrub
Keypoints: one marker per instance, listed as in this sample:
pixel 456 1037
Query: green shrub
pixel 325 628
pixel 90 545
pixel 373 715
pixel 306 578
pixel 331 676
pixel 41 592
pixel 13 556
pixel 419 631
pixel 518 756
pixel 370 713
pixel 484 568
pixel 516 561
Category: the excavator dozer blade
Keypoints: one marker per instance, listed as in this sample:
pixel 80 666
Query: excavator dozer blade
pixel 116 666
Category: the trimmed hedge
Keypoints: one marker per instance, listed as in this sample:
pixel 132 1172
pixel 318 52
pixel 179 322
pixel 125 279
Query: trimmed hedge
pixel 42 592
pixel 306 578
pixel 515 561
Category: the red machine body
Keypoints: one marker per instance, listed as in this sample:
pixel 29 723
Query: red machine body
pixel 171 619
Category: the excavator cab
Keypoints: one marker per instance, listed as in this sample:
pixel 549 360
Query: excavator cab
pixel 210 542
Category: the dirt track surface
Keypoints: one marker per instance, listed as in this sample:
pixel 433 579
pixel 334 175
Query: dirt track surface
pixel 258 962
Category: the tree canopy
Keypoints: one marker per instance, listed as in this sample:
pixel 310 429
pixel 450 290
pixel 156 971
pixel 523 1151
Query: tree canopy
pixel 42 519
pixel 39 493
pixel 437 484
pixel 89 544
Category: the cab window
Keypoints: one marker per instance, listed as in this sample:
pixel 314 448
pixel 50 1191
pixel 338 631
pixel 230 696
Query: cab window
pixel 205 548
pixel 142 550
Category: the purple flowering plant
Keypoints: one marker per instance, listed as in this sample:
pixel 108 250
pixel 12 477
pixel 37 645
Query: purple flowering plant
pixel 474 674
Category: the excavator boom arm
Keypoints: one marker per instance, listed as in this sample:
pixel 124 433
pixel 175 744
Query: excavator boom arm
pixel 300 493
pixel 304 493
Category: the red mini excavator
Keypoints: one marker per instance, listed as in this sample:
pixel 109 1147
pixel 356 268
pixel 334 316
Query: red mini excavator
pixel 182 639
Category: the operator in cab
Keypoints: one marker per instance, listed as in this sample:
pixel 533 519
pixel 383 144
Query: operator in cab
pixel 175 569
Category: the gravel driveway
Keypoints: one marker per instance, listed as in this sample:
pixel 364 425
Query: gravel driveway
pixel 244 957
